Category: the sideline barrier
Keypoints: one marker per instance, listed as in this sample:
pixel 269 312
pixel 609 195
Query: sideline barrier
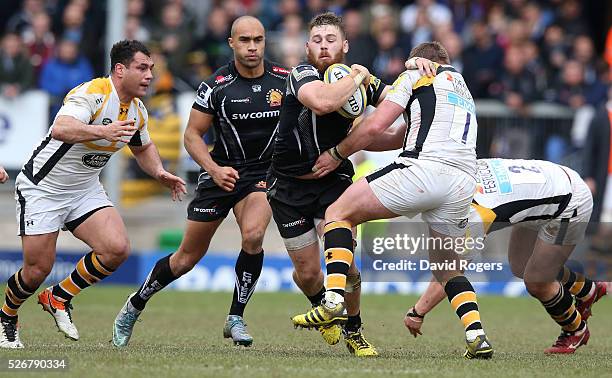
pixel 216 273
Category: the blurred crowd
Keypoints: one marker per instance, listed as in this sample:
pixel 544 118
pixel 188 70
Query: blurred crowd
pixel 515 51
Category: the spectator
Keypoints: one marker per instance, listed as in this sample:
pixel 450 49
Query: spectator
pixel 481 61
pixel 85 34
pixel 570 19
pixel 39 41
pixel 454 46
pixel 516 86
pixel 389 62
pixel 63 72
pixel 289 42
pixel 16 73
pixel 197 69
pixel 362 47
pixel 535 20
pixel 554 50
pixel 534 64
pixel 573 91
pixel 174 37
pixel 414 16
pixel 583 51
pixel 215 40
pixel 22 21
pixel 135 30
pixel 284 9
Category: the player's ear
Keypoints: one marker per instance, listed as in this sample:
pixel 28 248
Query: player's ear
pixel 345 46
pixel 306 48
pixel 230 42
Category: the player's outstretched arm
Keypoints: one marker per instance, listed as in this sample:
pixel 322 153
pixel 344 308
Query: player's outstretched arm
pixel 148 159
pixel 3 175
pixel 324 98
pixel 433 295
pixel 70 130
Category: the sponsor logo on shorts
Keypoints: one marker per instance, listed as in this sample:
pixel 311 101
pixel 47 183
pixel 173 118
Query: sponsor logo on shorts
pixel 95 160
pixel 107 121
pixel 212 210
pixel 261 185
pixel 29 223
pixel 299 222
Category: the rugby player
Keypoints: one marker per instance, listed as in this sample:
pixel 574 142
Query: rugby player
pixel 308 126
pixel 59 188
pixel 548 207
pixel 242 101
pixel 434 176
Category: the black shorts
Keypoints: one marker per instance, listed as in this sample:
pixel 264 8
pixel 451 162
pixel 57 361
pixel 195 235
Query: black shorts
pixel 297 203
pixel 212 203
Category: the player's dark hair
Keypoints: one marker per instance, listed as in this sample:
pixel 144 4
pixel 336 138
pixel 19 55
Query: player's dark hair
pixel 123 52
pixel 433 51
pixel 328 18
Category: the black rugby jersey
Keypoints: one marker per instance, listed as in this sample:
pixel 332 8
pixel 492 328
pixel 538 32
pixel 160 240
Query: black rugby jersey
pixel 302 135
pixel 246 113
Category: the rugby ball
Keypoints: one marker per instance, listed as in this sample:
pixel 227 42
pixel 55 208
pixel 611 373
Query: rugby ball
pixel 357 103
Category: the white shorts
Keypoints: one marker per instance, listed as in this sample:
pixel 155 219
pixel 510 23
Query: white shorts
pixel 41 211
pixel 441 193
pixel 570 226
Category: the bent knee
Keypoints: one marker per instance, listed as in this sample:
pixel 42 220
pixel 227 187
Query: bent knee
pixel 252 240
pixel 37 273
pixel 116 250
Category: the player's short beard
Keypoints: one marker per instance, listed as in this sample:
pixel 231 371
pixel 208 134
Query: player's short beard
pixel 322 66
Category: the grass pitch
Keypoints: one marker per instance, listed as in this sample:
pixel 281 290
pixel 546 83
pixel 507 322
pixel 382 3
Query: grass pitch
pixel 180 335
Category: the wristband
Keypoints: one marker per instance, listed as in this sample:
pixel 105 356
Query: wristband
pixel 414 314
pixel 335 154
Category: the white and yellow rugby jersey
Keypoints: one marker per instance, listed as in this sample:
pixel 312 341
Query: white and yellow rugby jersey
pixel 58 165
pixel 440 116
pixel 510 191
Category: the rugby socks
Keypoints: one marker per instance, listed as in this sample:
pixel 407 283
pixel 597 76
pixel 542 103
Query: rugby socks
pixel 248 268
pixel 353 323
pixel 462 298
pixel 160 277
pixel 89 271
pixel 338 254
pixel 576 284
pixel 316 299
pixel 561 308
pixel 15 294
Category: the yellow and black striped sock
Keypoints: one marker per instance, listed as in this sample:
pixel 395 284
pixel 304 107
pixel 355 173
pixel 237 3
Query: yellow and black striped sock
pixel 462 298
pixel 15 294
pixel 89 271
pixel 338 254
pixel 561 308
pixel 576 283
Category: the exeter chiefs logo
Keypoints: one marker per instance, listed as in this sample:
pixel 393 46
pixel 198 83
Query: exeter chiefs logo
pixel 274 97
